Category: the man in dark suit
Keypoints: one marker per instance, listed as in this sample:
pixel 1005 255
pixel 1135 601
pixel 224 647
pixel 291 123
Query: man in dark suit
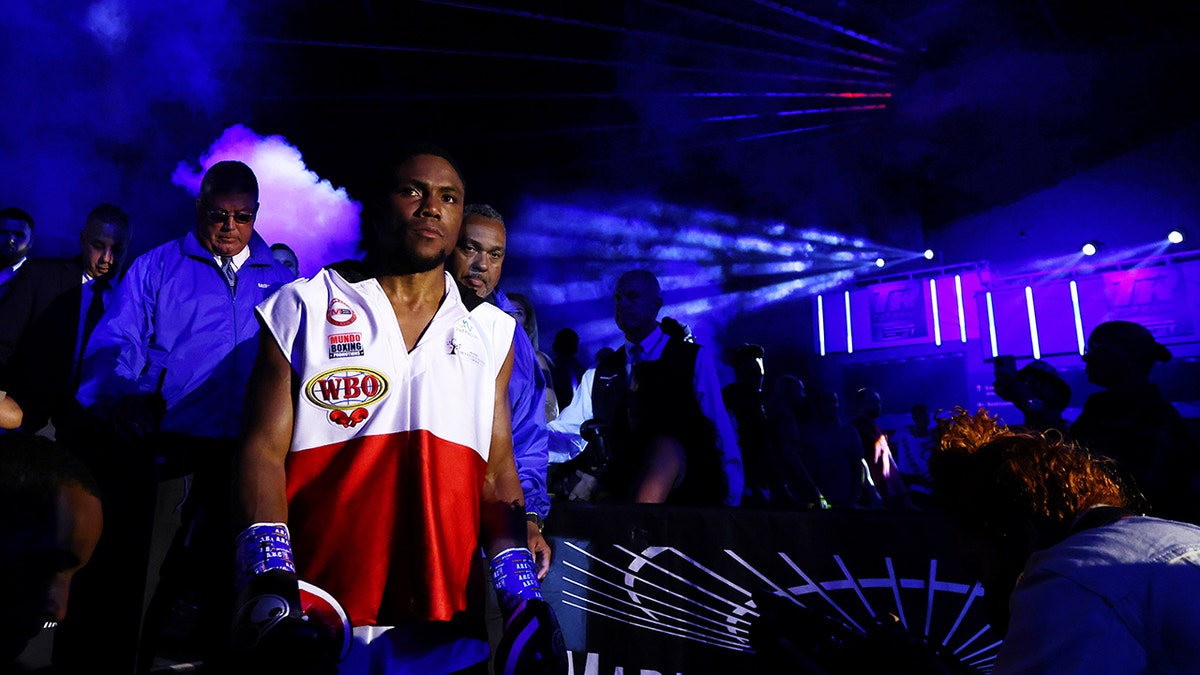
pixel 48 313
pixel 16 238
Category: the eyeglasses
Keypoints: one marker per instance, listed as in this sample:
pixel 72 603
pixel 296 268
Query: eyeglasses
pixel 241 218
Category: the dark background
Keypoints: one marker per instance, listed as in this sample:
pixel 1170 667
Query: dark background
pixel 752 153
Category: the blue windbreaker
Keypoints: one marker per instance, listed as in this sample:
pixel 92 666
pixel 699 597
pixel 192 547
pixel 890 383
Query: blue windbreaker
pixel 174 311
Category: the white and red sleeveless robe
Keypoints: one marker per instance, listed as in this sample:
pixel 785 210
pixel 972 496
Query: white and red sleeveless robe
pixel 389 447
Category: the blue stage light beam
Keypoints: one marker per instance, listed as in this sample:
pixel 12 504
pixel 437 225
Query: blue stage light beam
pixel 789 113
pixel 808 286
pixel 791 11
pixel 724 141
pixel 817 44
pixel 770 269
pixel 543 58
pixel 708 262
pixel 664 37
pixel 574 95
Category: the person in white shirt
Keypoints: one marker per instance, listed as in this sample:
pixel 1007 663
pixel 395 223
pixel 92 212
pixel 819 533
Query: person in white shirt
pixel 601 398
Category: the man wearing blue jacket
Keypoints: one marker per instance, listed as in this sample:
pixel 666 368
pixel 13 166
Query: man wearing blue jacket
pixel 476 264
pixel 167 369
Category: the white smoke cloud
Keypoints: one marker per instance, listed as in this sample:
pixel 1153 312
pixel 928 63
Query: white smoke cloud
pixel 297 207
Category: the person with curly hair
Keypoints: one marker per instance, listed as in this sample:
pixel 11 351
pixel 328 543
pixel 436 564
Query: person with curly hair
pixel 1078 580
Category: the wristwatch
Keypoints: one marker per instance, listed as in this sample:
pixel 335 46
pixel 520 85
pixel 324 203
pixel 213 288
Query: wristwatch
pixel 535 519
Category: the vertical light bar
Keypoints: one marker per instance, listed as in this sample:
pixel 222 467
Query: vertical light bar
pixel 962 314
pixel 937 320
pixel 1078 317
pixel 849 330
pixel 1033 331
pixel 992 325
pixel 821 323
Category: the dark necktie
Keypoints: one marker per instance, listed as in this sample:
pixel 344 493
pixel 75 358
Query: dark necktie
pixel 229 272
pixel 636 355
pixel 94 311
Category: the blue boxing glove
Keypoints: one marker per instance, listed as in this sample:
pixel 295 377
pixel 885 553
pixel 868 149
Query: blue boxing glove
pixel 282 623
pixel 532 643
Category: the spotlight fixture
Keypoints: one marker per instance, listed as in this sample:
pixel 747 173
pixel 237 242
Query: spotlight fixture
pixel 1175 236
pixel 1091 248
pixel 879 262
pixel 929 254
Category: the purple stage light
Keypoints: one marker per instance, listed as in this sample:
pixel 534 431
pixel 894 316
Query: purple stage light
pixel 821 323
pixel 991 315
pixel 1078 317
pixel 958 301
pixel 774 94
pixel 541 58
pixel 829 25
pixel 706 261
pixel 937 320
pixel 773 33
pixel 813 111
pixel 665 37
pixel 787 113
pixel 723 141
pixel 849 329
pixel 1033 329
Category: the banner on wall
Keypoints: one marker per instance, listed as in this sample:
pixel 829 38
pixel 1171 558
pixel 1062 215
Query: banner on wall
pixel 652 589
pixel 1155 297
pixel 899 311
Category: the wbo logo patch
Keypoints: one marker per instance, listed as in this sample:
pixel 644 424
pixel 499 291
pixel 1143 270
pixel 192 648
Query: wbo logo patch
pixel 340 313
pixel 347 393
pixel 342 345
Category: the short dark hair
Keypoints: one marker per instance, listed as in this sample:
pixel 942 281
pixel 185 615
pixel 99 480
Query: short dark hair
pixel 378 188
pixel 484 211
pixel 109 215
pixel 566 341
pixel 228 177
pixel 407 152
pixel 280 246
pixel 13 213
pixel 748 352
pixel 33 468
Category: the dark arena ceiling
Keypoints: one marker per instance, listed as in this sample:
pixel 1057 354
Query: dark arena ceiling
pixel 882 120
pixel 887 120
